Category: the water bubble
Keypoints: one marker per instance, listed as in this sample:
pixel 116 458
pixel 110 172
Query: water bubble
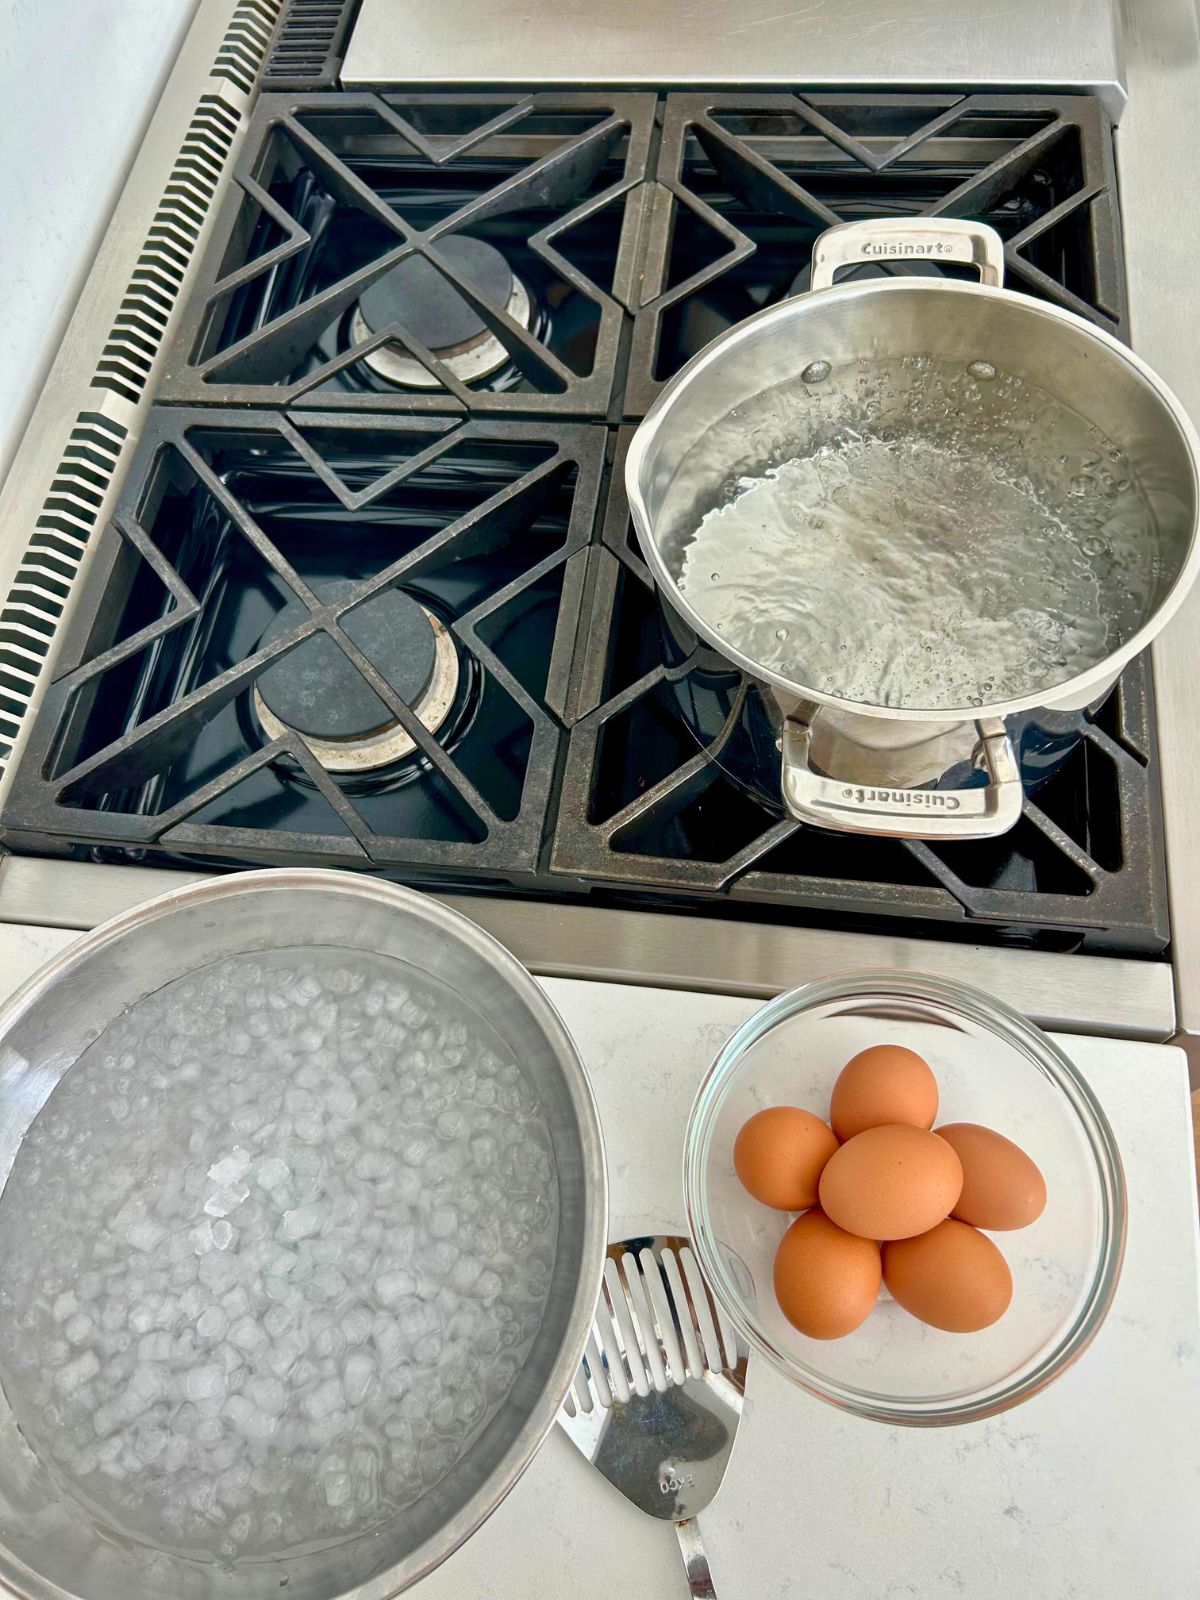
pixel 1093 545
pixel 716 577
pixel 781 634
pixel 1080 484
pixel 816 372
pixel 982 371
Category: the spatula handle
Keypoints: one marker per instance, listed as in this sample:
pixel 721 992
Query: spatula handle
pixel 695 1561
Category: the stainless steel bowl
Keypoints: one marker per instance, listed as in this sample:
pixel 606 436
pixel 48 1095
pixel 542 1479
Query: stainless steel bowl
pixel 50 1547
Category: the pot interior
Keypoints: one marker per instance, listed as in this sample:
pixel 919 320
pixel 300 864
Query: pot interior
pixel 858 487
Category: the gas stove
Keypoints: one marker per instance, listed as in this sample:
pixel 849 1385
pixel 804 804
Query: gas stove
pixel 364 591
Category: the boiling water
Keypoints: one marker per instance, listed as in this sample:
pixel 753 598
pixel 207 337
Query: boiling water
pixel 275 1250
pixel 946 536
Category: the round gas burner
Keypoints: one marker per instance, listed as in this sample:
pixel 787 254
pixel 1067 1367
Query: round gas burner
pixel 317 692
pixel 417 296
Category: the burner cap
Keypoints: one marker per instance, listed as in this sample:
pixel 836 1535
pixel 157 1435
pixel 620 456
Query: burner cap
pixel 318 691
pixel 417 296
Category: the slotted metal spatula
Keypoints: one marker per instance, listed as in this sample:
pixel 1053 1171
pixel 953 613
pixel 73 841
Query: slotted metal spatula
pixel 658 1396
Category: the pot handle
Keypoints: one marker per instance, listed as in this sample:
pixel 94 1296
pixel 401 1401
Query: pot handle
pixel 973 244
pixel 980 813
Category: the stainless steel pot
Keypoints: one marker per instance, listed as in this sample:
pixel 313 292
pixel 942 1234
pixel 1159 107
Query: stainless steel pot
pixel 884 769
pixel 50 1547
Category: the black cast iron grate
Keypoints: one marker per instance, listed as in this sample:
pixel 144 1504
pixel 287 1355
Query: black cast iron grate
pixel 149 738
pixel 642 804
pixel 569 772
pixel 745 183
pixel 333 193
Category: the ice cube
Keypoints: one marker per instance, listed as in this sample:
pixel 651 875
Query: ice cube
pixel 279 1319
pixel 202 1238
pixel 248 1420
pixel 428 1349
pixel 226 1199
pixel 211 1323
pixel 443 1222
pixel 393 1286
pixel 323 1400
pixel 337 1488
pixel 79 1328
pixel 304 1222
pixel 358 1372
pixel 77 1372
pixel 356 1325
pixel 149 1440
pixel 230 1168
pixel 328 1284
pixel 205 1383
pixel 65 1306
pixel 106 1419
pixel 247 1334
pixel 192 1301
pixel 268 1394
pixel 285 1353
pixel 271 1172
pixel 224 1234
pixel 154 1346
pixel 236 1302
pixel 145 1234
pixel 374 1164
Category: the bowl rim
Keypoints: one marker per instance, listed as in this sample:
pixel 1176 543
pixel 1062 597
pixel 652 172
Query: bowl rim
pixel 1023 1035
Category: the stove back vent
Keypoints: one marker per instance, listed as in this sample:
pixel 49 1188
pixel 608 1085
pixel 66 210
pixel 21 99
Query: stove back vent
pixel 309 45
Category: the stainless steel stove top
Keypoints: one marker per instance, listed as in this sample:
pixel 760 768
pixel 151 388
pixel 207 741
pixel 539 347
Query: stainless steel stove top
pixel 1023 44
pixel 74 459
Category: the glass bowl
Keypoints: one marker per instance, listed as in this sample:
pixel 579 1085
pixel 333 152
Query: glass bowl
pixel 992 1067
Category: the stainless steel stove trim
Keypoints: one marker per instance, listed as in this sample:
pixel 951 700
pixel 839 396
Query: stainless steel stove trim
pixel 1159 52
pixel 1155 147
pixel 838 43
pixel 73 457
pixel 1068 993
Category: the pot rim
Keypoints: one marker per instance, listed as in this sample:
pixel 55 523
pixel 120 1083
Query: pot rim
pixel 1070 690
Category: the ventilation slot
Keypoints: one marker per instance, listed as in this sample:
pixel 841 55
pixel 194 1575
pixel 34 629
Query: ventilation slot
pixel 79 492
pixel 308 49
pixel 43 581
pixel 154 285
pixel 245 43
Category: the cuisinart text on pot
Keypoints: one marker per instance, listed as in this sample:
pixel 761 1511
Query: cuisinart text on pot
pixel 933 247
pixel 923 799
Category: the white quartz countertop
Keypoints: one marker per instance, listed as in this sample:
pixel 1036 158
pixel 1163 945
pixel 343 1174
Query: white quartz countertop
pixel 1089 1491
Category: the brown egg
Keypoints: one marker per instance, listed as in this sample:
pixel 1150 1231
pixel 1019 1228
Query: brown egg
pixel 1002 1188
pixel 884 1084
pixel 889 1183
pixel 826 1281
pixel 779 1155
pixel 951 1277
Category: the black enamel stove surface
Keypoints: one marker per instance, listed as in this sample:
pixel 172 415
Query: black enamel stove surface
pixel 371 597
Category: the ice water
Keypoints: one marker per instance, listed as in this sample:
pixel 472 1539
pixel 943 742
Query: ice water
pixel 913 533
pixel 275 1250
